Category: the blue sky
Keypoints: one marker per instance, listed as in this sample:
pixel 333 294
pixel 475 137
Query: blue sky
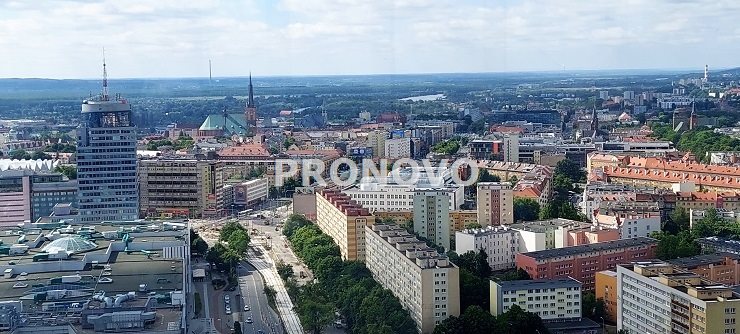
pixel 172 38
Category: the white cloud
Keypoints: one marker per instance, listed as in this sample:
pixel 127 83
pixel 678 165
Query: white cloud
pixel 146 38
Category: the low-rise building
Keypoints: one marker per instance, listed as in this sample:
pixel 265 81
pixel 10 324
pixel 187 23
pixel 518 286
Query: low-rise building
pixel 342 219
pixel 461 218
pixel 558 233
pixel 500 243
pixel 632 219
pixel 582 262
pixel 304 202
pixel 251 192
pixel 426 283
pixel 656 298
pixel 556 300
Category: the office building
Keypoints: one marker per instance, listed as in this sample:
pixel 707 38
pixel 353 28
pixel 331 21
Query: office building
pixel 376 141
pixel 252 192
pixel 495 203
pixel 426 283
pixel 28 193
pixel 582 262
pixel 432 215
pixel 180 188
pixel 106 160
pixel 342 219
pixel 556 300
pixel 50 192
pixel 500 243
pixel 656 298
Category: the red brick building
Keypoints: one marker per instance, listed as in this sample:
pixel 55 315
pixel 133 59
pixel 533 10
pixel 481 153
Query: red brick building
pixel 583 262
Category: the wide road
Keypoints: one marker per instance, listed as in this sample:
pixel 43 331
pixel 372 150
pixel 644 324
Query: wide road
pixel 252 288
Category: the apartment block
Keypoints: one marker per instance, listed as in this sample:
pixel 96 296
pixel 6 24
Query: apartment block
pixel 304 202
pixel 344 221
pixel 558 233
pixel 663 172
pixel 397 148
pixel 583 262
pixel 376 140
pixel 632 219
pixel 716 267
pixel 179 187
pixel 461 218
pixel 500 243
pixel 432 215
pixel 656 298
pixel 426 283
pixel 606 289
pixel 495 203
pixel 556 300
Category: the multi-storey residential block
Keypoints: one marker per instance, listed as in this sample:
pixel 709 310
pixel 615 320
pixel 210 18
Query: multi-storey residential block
pixel 533 181
pixel 426 283
pixel 500 243
pixel 397 148
pixel 716 267
pixel 656 298
pixel 558 233
pixel 511 147
pixel 663 172
pixel 304 202
pixel 180 187
pixel 106 161
pixel 718 245
pixel 461 218
pixel 556 300
pixel 495 203
pixel 344 221
pixel 582 262
pixel 432 215
pixel 385 194
pixel 606 289
pixel 376 141
pixel 632 219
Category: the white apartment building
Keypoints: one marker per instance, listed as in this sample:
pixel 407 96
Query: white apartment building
pixel 545 234
pixel 432 215
pixel 397 148
pixel 495 203
pixel 426 283
pixel 500 243
pixel 656 298
pixel 384 194
pixel 554 300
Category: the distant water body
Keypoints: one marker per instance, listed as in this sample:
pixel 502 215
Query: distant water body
pixel 424 98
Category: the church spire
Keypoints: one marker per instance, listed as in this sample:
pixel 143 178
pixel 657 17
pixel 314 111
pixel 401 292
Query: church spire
pixel 250 101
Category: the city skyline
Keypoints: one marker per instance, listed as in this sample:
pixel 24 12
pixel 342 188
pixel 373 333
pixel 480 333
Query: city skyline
pixel 167 39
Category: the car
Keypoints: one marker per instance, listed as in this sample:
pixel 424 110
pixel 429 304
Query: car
pixel 249 320
pixel 260 331
pixel 246 308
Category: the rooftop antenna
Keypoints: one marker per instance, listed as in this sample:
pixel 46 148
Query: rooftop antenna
pixel 105 79
pixel 706 73
pixel 210 72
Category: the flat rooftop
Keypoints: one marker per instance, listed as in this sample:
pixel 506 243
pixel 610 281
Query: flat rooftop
pixel 597 247
pixel 539 284
pixel 705 259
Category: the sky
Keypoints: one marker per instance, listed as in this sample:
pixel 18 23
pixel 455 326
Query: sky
pixel 174 38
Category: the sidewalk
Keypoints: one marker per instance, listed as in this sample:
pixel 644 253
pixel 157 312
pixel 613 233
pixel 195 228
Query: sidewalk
pixel 284 305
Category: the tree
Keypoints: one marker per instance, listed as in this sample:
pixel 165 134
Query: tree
pixel 592 308
pixel 40 155
pixel 526 209
pixel 69 171
pixel 672 246
pixel 293 223
pixel 284 270
pixel 199 246
pixel 237 327
pixel 677 221
pixel 239 241
pixel 571 170
pixel 473 225
pixel 484 176
pixel 20 155
pixel 520 321
pixel 315 315
pixel 229 228
pixel 448 147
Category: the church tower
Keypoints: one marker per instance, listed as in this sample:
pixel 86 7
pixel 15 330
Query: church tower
pixel 250 112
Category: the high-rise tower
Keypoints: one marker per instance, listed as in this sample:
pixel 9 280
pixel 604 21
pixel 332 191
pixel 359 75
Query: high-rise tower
pixel 106 159
pixel 250 112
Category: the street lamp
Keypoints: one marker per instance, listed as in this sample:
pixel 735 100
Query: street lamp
pixel 603 323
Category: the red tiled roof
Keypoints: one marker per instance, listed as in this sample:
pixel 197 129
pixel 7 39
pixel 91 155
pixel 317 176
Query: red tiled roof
pixel 245 150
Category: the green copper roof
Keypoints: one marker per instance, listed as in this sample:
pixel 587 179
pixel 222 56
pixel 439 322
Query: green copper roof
pixel 231 124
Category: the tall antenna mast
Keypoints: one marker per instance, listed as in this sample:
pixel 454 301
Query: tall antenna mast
pixel 105 79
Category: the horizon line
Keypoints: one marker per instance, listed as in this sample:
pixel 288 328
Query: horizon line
pixel 677 70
